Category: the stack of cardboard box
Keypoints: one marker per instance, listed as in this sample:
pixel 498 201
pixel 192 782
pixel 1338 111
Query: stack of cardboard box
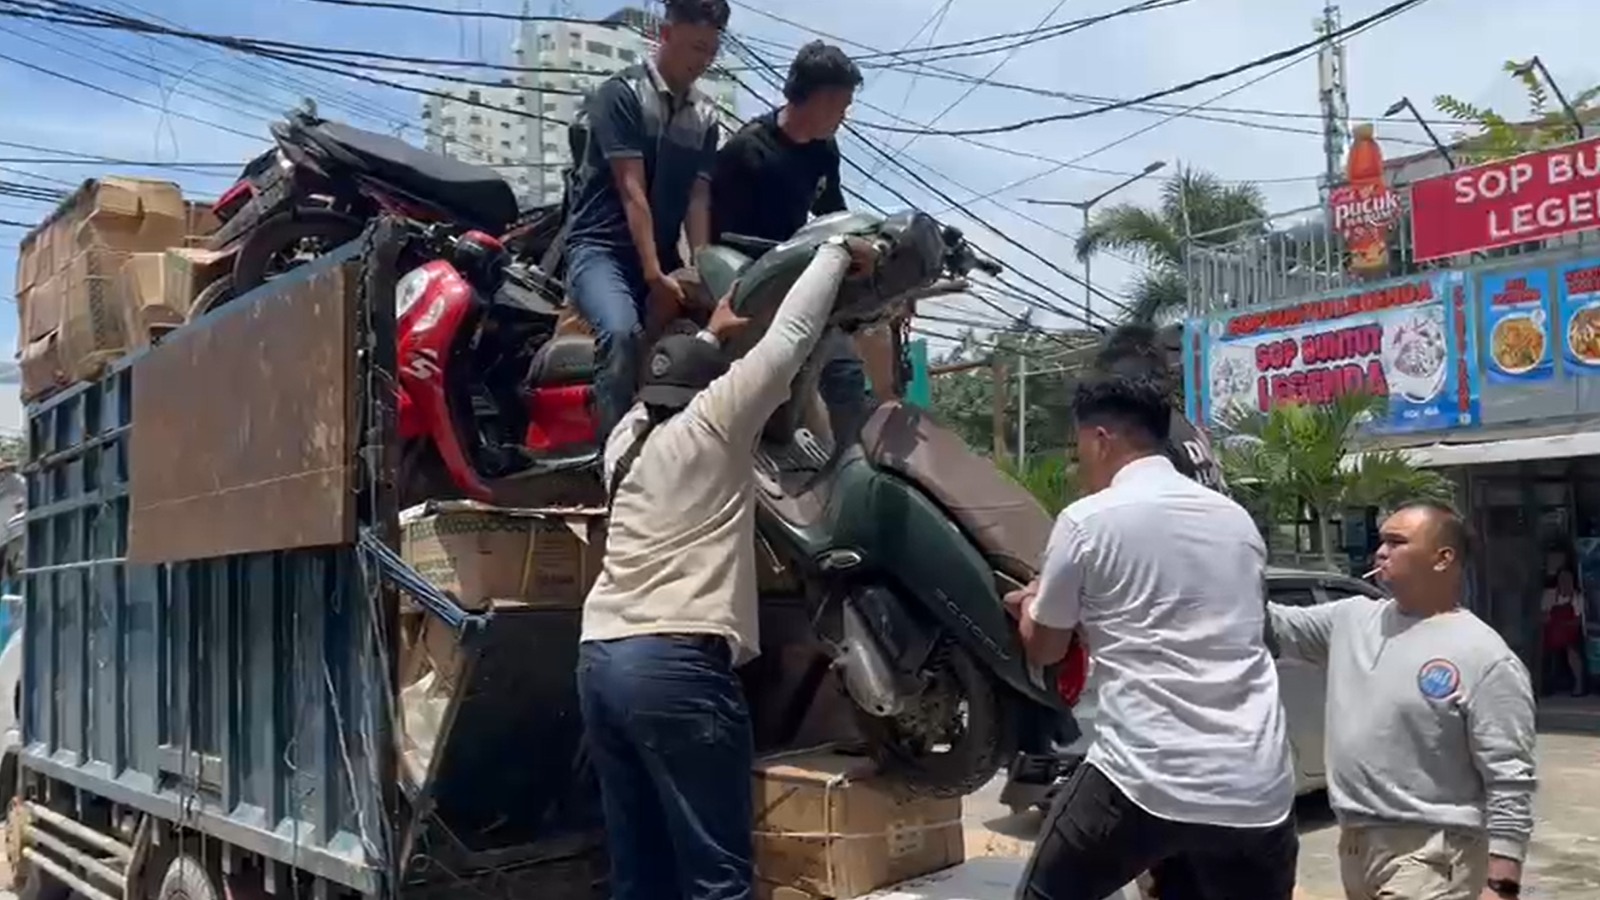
pixel 112 266
pixel 830 826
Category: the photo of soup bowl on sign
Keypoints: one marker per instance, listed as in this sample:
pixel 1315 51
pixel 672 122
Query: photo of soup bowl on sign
pixel 1414 355
pixel 1517 344
pixel 1583 334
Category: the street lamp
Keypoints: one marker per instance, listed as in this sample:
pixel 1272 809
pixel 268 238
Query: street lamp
pixel 1527 68
pixel 1085 205
pixel 1404 103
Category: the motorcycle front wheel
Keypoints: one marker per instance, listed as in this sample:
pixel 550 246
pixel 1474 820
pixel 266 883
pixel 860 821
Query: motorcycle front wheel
pixel 953 737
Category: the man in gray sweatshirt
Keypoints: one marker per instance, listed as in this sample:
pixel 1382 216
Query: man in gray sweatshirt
pixel 1430 724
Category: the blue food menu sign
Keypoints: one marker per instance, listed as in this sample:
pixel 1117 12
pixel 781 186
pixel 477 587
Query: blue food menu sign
pixel 1579 286
pixel 1411 341
pixel 1517 337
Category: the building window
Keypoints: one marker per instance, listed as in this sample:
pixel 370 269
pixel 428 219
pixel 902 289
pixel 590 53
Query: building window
pixel 474 97
pixel 549 107
pixel 626 55
pixel 551 148
pixel 475 119
pixel 598 49
pixel 522 100
pixel 448 121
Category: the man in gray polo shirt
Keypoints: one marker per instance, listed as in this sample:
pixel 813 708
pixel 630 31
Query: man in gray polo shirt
pixel 644 176
pixel 1430 724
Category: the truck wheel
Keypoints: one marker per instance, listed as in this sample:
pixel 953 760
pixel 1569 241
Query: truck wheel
pixel 187 879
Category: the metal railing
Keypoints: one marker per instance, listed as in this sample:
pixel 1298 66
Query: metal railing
pixel 1296 255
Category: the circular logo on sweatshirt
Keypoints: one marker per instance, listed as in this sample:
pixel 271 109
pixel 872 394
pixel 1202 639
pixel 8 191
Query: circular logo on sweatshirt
pixel 1438 679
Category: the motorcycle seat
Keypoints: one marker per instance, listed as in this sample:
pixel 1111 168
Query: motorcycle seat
pixel 476 195
pixel 565 359
pixel 1008 525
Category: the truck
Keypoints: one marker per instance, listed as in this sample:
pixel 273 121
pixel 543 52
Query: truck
pixel 211 595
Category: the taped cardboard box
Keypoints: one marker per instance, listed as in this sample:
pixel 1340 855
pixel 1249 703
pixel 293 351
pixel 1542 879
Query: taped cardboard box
pixel 547 558
pixel 155 290
pixel 829 826
pixel 113 215
pixel 90 330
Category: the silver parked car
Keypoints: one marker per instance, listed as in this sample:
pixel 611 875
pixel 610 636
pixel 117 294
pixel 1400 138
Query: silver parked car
pixel 1302 686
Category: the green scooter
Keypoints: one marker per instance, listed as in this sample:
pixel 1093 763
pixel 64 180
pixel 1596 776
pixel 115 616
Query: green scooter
pixel 904 540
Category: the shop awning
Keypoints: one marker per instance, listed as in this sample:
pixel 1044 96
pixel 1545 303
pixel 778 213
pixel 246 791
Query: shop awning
pixel 1555 446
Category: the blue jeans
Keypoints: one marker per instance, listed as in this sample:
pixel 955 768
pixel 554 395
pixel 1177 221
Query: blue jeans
pixel 669 734
pixel 843 386
pixel 608 288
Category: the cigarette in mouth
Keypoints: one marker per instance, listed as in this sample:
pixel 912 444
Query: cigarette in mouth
pixel 1370 574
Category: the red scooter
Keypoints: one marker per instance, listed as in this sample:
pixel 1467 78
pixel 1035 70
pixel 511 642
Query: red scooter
pixel 494 405
pixel 321 184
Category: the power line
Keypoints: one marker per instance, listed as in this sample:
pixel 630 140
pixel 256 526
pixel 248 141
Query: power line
pixel 13 223
pixel 1371 22
pixel 124 97
pixel 459 13
pixel 897 163
pixel 1389 11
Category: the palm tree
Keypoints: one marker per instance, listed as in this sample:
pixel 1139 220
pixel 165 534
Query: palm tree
pixel 1298 460
pixel 1192 203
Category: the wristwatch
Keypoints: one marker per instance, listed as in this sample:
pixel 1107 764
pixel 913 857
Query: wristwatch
pixel 709 336
pixel 1505 887
pixel 841 241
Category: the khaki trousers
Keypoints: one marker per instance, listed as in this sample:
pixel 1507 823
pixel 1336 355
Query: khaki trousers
pixel 1412 862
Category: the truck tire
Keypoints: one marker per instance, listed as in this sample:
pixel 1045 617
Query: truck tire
pixel 187 879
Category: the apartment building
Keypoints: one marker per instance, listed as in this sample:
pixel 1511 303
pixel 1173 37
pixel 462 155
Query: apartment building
pixel 526 137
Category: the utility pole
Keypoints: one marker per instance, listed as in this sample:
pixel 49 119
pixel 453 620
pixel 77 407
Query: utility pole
pixel 997 372
pixel 1334 100
pixel 1022 411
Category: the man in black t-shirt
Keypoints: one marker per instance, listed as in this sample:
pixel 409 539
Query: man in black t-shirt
pixel 782 167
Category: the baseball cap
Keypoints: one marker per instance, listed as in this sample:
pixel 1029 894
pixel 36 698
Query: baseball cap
pixel 680 366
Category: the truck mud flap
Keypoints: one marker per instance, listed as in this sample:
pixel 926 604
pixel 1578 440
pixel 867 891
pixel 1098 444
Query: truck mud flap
pixel 508 784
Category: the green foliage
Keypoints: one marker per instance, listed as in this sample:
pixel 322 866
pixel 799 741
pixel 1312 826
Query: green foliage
pixel 1049 479
pixel 1293 461
pixel 1192 203
pixel 1489 135
pixel 964 401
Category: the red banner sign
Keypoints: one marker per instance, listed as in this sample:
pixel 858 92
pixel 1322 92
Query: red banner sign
pixel 1531 197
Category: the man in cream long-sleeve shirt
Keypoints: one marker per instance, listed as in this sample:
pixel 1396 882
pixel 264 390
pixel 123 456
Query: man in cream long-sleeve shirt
pixel 1430 725
pixel 674 609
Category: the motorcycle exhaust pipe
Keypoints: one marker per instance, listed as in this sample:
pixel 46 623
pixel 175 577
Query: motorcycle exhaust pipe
pixel 868 677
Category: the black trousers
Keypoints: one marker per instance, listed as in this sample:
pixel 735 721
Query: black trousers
pixel 1096 840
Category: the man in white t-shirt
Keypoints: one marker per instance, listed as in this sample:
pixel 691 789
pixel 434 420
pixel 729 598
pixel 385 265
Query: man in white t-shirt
pixel 1190 773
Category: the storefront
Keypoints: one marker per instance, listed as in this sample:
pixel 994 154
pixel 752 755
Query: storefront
pixel 1492 374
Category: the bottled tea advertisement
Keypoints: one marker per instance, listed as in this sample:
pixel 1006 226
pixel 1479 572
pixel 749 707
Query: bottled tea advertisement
pixel 1411 342
pixel 1517 320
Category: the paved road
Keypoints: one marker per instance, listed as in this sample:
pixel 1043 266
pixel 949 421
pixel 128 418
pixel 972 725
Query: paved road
pixel 1564 862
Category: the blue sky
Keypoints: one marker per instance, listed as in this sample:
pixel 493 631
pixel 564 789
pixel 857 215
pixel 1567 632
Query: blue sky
pixel 1453 46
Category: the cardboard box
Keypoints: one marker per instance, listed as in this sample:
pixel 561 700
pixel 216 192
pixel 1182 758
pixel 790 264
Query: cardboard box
pixel 117 215
pixel 486 555
pixel 199 223
pixel 70 324
pixel 827 826
pixel 154 291
pixel 41 367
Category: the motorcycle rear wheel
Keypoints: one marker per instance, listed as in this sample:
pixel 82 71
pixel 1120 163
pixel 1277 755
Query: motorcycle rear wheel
pixel 271 248
pixel 903 745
